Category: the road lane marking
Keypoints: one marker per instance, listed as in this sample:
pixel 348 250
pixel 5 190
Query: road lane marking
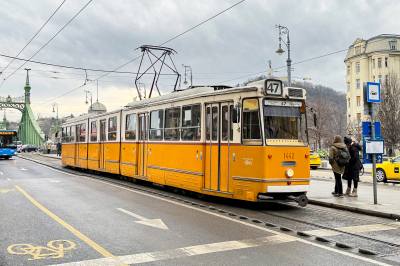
pixel 158 223
pixel 351 229
pixel 23 169
pixel 228 218
pixel 6 190
pixel 51 180
pixel 51 250
pixel 1 173
pixel 90 242
pixel 8 179
pixel 187 251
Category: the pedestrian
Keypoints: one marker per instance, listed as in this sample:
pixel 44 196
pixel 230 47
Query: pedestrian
pixel 59 148
pixel 338 158
pixel 352 171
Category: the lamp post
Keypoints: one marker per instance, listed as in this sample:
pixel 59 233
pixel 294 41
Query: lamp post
pixel 55 105
pixel 91 106
pixel 191 76
pixel 283 30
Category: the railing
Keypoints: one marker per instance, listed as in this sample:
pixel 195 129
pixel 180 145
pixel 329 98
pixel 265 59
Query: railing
pixel 20 99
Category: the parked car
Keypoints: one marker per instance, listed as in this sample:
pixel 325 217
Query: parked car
pixel 388 170
pixel 29 148
pixel 315 160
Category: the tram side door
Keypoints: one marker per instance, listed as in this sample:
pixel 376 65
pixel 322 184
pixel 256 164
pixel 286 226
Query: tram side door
pixel 77 135
pixel 217 146
pixel 102 144
pixel 143 144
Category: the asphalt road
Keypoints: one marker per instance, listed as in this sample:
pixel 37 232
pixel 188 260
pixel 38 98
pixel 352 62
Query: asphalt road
pixel 50 217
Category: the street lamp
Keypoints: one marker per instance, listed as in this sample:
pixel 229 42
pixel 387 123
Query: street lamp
pixel 283 30
pixel 55 105
pixel 91 106
pixel 191 76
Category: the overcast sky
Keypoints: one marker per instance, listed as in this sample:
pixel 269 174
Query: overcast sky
pixel 237 43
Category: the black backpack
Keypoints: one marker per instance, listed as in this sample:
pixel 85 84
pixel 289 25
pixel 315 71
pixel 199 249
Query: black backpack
pixel 343 157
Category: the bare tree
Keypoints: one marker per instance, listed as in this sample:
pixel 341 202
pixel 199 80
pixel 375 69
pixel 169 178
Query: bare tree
pixel 354 127
pixel 389 110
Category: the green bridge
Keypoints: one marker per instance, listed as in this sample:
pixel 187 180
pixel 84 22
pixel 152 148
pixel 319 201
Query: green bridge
pixel 29 132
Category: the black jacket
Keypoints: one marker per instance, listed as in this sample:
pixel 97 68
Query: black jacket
pixel 352 171
pixel 59 146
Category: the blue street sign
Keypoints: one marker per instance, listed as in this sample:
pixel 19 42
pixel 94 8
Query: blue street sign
pixel 373 92
pixel 366 128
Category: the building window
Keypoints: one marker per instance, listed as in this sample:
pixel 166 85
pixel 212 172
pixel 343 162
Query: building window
pixel 156 125
pixel 348 70
pixel 112 128
pixel 392 44
pixel 358 67
pixel 358 116
pixel 130 127
pixel 386 62
pixel 373 63
pixel 358 100
pixel 380 79
pixel 373 78
pixel 191 121
pixel 358 49
pixel 358 83
pixel 349 102
pixel 379 62
pixel 348 86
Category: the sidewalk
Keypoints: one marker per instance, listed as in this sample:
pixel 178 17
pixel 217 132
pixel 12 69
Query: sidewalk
pixel 326 166
pixel 388 198
pixel 50 155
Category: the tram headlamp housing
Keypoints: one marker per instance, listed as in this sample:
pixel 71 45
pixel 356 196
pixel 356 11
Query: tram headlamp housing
pixel 289 172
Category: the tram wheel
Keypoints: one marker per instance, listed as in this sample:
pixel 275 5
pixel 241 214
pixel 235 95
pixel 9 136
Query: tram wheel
pixel 200 195
pixel 175 189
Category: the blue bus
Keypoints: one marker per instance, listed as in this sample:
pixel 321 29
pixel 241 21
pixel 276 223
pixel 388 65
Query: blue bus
pixel 8 143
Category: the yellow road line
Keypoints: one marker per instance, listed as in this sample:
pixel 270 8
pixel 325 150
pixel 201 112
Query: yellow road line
pixel 90 242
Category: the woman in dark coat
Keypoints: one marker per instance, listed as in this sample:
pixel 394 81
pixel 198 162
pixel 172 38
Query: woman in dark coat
pixel 352 171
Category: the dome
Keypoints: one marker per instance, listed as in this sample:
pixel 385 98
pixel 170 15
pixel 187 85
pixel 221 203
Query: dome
pixel 97 108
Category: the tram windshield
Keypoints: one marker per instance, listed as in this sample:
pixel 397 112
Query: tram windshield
pixel 285 123
pixel 8 139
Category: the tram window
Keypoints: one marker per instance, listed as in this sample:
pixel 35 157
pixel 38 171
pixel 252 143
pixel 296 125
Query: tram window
pixel 251 132
pixel 112 128
pixel 156 125
pixel 93 131
pixel 224 123
pixel 67 134
pixel 72 135
pixel 208 126
pixel 214 124
pixel 82 137
pixel 63 135
pixel 172 123
pixel 231 122
pixel 191 122
pixel 130 127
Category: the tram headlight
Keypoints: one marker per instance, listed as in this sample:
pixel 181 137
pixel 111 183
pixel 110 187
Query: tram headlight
pixel 289 172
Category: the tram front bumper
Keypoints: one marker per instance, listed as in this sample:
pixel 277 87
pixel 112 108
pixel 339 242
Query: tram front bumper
pixel 288 189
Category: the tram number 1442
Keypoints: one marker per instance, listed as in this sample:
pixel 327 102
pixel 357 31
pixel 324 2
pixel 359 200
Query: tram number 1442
pixel 288 155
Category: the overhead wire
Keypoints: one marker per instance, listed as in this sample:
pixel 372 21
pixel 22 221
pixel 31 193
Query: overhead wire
pixel 33 36
pixel 140 56
pixel 51 38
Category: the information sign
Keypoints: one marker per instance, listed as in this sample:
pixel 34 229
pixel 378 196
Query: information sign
pixel 273 87
pixel 366 128
pixel 374 146
pixel 283 103
pixel 373 92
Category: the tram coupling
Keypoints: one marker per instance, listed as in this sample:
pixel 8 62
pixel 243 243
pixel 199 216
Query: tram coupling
pixel 302 200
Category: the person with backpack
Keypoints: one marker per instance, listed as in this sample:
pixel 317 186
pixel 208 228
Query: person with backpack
pixel 338 158
pixel 352 171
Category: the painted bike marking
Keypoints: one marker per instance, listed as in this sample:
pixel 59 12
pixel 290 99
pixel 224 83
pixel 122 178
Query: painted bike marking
pixel 39 252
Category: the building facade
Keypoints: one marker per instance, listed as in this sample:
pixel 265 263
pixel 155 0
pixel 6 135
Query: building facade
pixel 369 61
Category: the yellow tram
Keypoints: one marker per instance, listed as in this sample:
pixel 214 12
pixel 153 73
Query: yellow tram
pixel 248 143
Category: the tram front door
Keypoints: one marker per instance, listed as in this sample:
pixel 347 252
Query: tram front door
pixel 77 135
pixel 102 144
pixel 143 144
pixel 218 137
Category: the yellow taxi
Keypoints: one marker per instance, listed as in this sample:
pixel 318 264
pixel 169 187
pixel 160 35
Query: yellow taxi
pixel 315 160
pixel 388 170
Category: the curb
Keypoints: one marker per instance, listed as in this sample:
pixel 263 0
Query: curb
pixel 354 209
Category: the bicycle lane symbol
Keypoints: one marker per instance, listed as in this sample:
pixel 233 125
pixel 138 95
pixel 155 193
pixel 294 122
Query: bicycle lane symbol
pixel 54 248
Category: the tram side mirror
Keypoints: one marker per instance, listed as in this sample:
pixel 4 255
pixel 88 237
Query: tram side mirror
pixel 315 120
pixel 235 115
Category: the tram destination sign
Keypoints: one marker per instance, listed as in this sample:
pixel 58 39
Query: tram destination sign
pixel 8 133
pixel 283 103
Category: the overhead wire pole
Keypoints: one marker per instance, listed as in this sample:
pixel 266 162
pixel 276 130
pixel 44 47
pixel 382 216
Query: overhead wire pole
pixel 51 38
pixel 33 37
pixel 140 56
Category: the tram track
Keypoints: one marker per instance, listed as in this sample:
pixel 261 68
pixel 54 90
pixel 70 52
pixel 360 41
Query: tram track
pixel 187 199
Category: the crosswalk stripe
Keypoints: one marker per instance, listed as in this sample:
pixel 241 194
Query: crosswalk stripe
pixel 352 229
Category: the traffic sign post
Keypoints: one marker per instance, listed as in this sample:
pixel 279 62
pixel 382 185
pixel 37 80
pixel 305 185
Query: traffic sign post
pixel 372 96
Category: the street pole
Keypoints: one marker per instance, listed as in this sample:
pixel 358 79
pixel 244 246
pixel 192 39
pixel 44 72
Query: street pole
pixel 283 30
pixel 371 105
